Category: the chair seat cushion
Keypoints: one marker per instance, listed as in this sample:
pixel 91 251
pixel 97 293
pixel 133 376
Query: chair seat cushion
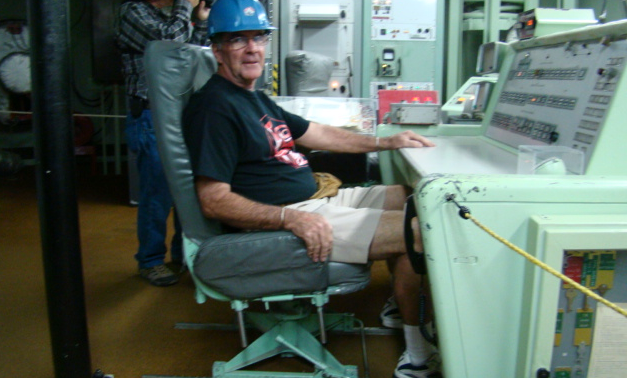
pixel 254 264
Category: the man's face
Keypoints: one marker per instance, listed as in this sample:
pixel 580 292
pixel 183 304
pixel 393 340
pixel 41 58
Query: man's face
pixel 241 56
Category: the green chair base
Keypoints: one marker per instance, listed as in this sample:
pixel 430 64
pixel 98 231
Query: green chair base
pixel 293 337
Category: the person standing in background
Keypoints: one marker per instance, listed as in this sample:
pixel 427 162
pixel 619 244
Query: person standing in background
pixel 142 21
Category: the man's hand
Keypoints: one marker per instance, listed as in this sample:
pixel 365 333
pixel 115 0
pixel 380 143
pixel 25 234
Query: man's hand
pixel 219 202
pixel 201 9
pixel 404 140
pixel 314 230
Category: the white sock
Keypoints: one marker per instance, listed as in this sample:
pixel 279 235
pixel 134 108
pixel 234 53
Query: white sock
pixel 418 348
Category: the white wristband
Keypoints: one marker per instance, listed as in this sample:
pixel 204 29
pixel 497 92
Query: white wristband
pixel 376 143
pixel 282 217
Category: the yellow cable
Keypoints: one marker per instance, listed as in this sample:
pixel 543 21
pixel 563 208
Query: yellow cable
pixel 549 269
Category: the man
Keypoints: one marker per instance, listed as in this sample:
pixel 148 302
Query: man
pixel 142 22
pixel 249 175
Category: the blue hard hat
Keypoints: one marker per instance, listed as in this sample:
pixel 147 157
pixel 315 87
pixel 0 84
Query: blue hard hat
pixel 228 16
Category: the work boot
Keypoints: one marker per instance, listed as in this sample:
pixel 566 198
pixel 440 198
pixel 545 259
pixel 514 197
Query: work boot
pixel 159 275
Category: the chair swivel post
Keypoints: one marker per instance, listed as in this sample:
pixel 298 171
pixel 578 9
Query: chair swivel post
pixel 242 328
pixel 319 300
pixel 239 307
pixel 323 331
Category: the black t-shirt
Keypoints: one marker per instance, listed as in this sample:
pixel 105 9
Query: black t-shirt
pixel 243 138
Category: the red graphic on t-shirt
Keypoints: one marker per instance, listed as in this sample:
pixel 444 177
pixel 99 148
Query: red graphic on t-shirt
pixel 282 143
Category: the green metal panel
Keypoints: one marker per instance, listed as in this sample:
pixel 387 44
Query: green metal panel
pixel 463 41
pixel 610 155
pixel 454 77
pixel 389 172
pixel 549 237
pixel 492 15
pixel 495 312
pixel 478 284
pixel 615 9
pixel 422 61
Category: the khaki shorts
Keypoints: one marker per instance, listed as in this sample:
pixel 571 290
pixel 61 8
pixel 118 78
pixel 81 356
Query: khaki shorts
pixel 354 215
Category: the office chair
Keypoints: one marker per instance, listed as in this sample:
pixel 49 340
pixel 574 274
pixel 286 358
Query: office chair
pixel 270 266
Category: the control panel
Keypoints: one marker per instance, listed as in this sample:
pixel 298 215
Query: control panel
pixel 559 94
pixel 404 45
pixel 566 91
pixel 589 341
pixel 398 20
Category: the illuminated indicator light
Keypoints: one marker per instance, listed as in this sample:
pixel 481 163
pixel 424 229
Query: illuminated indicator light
pixel 472 98
pixel 533 99
pixel 415 99
pixel 461 99
pixel 335 84
pixel 428 99
pixel 530 23
pixel 399 87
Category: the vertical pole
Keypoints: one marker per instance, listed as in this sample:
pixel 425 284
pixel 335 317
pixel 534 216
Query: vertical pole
pixel 56 186
pixel 454 47
pixel 103 136
pixel 117 131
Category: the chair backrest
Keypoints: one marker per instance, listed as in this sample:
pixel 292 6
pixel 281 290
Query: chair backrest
pixel 174 71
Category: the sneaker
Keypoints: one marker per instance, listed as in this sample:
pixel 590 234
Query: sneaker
pixel 159 275
pixel 390 315
pixel 430 369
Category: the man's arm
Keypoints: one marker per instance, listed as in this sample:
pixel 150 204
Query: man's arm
pixel 201 14
pixel 138 26
pixel 329 138
pixel 219 202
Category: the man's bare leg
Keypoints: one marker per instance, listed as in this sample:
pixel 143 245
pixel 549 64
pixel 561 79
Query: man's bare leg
pixel 395 196
pixel 389 244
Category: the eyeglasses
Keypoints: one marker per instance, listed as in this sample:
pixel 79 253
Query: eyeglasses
pixel 239 42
